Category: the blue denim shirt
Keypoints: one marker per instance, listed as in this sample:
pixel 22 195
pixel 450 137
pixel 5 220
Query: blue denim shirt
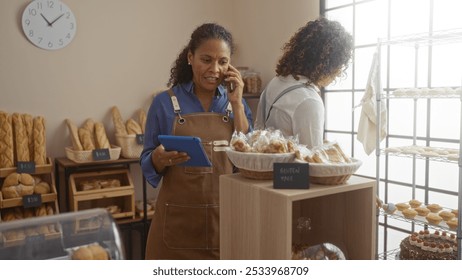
pixel 161 116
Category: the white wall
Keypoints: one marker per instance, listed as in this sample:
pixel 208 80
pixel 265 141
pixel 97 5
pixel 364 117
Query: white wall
pixel 122 53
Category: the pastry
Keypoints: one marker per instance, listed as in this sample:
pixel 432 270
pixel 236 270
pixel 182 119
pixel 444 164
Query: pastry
pixel 133 127
pixel 422 211
pixel 142 118
pixel 453 223
pixel 20 139
pixel 433 218
pixel 6 141
pixel 85 139
pixel 102 141
pixel 402 206
pixel 455 212
pixel 39 141
pixel 119 125
pixel 414 203
pixel 73 131
pixel 434 208
pixel 409 213
pixel 446 215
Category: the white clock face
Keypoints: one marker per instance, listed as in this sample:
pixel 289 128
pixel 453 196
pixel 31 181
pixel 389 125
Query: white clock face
pixel 48 24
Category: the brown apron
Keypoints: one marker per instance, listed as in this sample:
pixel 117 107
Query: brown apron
pixel 186 219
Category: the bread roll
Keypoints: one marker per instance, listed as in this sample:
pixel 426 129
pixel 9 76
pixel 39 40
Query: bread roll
pixel 26 179
pixel 142 117
pixel 101 137
pixel 28 125
pixel 39 141
pixel 73 131
pixel 118 122
pixel 11 180
pixel 85 139
pixel 20 138
pixel 24 190
pixel 42 188
pixel 83 253
pixel 6 141
pixel 10 192
pixel 90 125
pixel 98 252
pixel 133 127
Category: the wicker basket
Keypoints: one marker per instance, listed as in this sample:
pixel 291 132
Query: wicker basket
pixel 129 145
pixel 256 175
pixel 332 174
pixel 87 156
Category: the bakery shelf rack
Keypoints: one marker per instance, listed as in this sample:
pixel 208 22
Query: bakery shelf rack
pixel 453 92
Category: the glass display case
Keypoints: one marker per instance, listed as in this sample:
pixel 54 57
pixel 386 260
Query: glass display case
pixel 88 234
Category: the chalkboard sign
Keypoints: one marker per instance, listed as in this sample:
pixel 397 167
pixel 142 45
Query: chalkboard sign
pixel 25 167
pixel 33 200
pixel 101 154
pixel 290 176
pixel 140 139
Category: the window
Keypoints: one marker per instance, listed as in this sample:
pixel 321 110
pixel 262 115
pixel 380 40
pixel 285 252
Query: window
pixel 438 125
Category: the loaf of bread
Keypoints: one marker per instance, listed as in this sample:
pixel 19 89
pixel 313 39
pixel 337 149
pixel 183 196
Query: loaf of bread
pixel 20 138
pixel 133 127
pixel 39 140
pixel 42 188
pixel 74 133
pixel 118 122
pixel 6 141
pixel 85 139
pixel 102 142
pixel 90 252
pixel 90 125
pixel 142 117
pixel 28 125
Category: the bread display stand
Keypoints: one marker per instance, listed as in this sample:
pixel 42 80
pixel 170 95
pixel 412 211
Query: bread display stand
pixel 260 222
pixel 121 197
pixel 65 243
pixel 39 169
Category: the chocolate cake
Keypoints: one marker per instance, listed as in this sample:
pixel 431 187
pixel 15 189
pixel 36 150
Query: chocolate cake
pixel 426 246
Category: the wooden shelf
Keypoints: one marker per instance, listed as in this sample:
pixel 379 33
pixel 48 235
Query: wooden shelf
pixel 259 222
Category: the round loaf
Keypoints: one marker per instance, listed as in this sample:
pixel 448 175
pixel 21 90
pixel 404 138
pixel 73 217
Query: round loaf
pixel 433 218
pixel 42 188
pixel 10 192
pixel 434 208
pixel 414 203
pixel 98 252
pixel 25 189
pixel 402 206
pixel 83 253
pixel 452 224
pixel 11 180
pixel 26 179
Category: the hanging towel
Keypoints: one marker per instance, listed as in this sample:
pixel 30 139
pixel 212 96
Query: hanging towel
pixel 368 119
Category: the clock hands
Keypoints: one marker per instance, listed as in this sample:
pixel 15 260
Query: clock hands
pixel 56 19
pixel 49 24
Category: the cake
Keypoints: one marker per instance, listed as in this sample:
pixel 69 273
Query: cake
pixel 426 246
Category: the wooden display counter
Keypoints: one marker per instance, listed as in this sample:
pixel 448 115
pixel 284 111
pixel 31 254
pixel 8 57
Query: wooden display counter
pixel 259 222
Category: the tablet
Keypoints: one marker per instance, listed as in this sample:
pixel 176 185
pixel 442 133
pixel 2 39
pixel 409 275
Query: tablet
pixel 188 144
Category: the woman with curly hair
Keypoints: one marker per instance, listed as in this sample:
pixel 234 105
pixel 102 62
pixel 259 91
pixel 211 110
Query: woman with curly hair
pixel 313 58
pixel 186 218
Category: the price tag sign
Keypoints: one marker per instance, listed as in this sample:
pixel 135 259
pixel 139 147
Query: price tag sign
pixel 140 139
pixel 101 154
pixel 33 200
pixel 35 239
pixel 290 176
pixel 25 167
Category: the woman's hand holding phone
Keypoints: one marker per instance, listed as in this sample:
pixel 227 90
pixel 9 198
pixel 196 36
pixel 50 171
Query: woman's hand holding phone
pixel 234 84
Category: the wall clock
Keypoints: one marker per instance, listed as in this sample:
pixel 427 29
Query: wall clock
pixel 48 24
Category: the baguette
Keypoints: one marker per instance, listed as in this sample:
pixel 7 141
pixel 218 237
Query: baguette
pixel 90 125
pixel 28 125
pixel 20 138
pixel 142 117
pixel 39 137
pixel 118 122
pixel 6 141
pixel 133 127
pixel 85 139
pixel 73 131
pixel 101 137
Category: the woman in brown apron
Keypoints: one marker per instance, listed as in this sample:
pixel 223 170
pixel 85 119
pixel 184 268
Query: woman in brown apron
pixel 186 220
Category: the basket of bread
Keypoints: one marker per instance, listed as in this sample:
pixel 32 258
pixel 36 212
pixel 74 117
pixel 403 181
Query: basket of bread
pixel 126 133
pixel 254 153
pixel 90 136
pixel 328 164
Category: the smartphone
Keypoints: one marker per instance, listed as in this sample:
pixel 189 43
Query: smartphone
pixel 230 86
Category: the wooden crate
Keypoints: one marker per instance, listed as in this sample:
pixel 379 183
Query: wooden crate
pixel 123 196
pixel 39 169
pixel 260 222
pixel 49 197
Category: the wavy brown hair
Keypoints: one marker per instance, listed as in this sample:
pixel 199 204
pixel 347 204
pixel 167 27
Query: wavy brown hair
pixel 181 72
pixel 317 50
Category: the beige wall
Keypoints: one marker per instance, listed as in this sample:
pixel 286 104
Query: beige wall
pixel 122 53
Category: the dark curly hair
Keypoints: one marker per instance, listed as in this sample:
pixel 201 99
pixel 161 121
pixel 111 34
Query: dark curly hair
pixel 181 72
pixel 317 50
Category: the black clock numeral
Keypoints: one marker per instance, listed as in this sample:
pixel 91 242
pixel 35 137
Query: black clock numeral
pixel 50 44
pixel 27 21
pixel 72 25
pixel 40 39
pixel 51 4
pixel 68 36
pixel 31 33
pixel 68 15
pixel 39 5
pixel 60 42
